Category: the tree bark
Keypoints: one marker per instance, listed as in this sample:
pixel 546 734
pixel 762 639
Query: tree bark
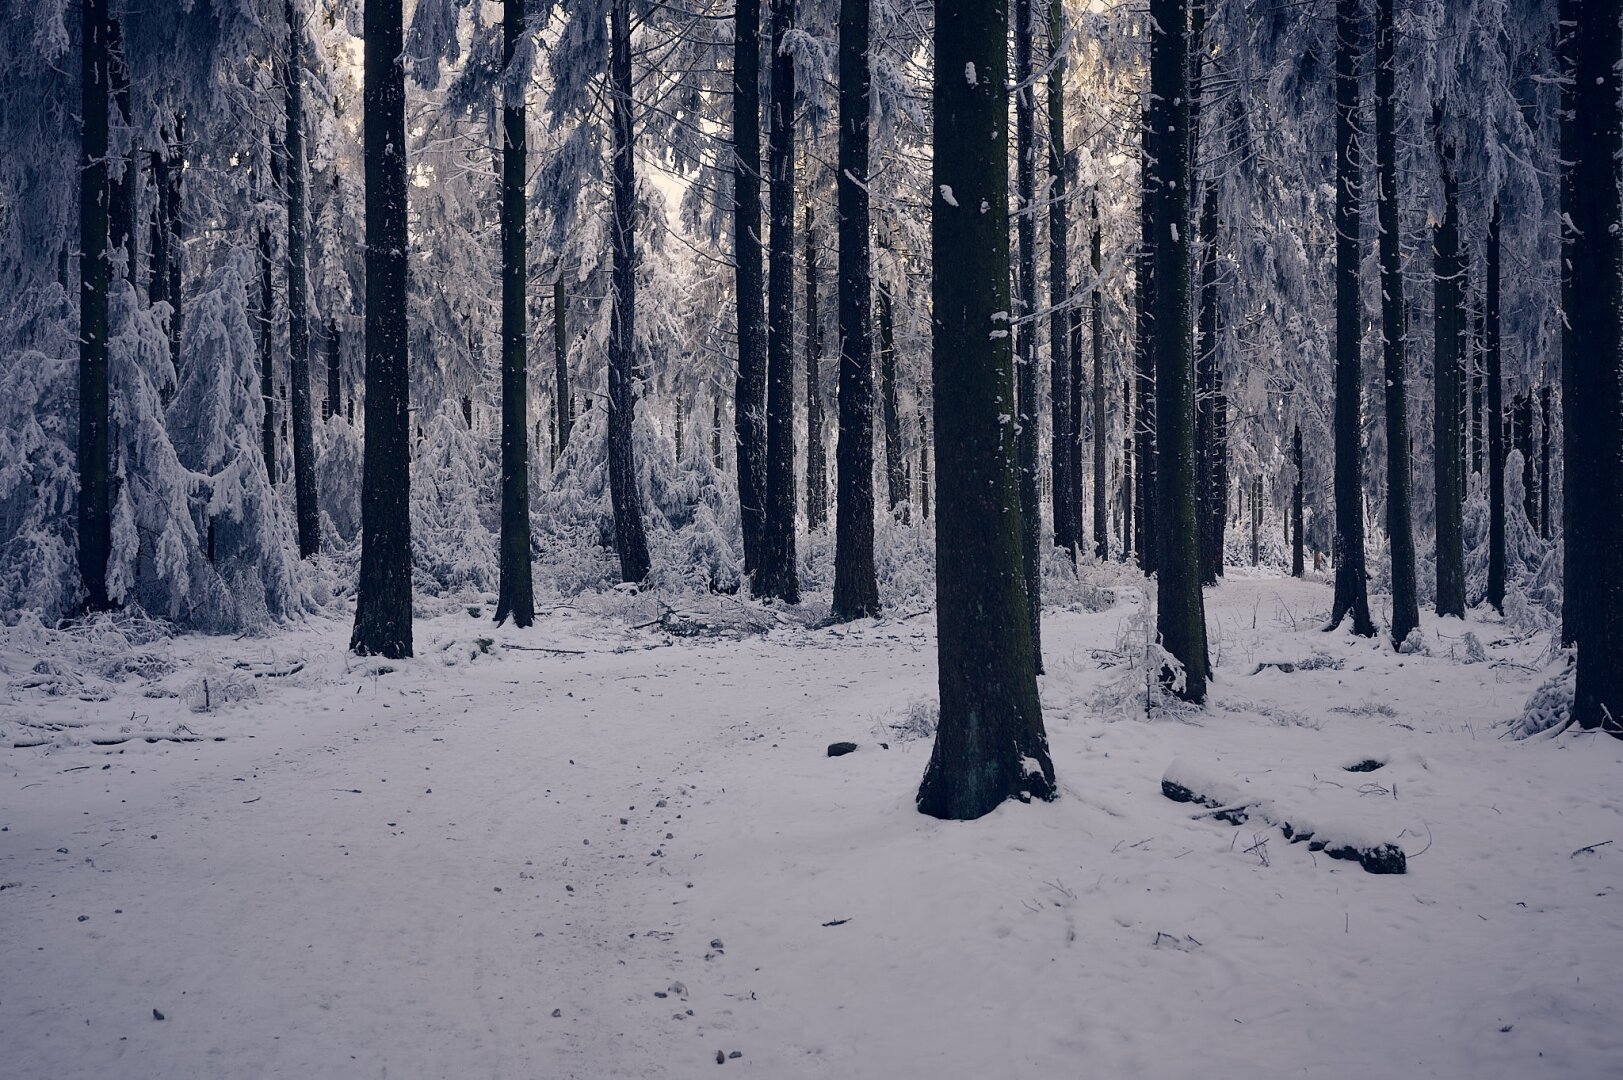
pixel 1144 446
pixel 333 405
pixel 896 488
pixel 776 575
pixel 264 319
pixel 560 360
pixel 1181 612
pixel 749 389
pixel 816 459
pixel 1025 329
pixel 95 488
pixel 1448 273
pixel 1573 549
pixel 1298 566
pixel 1496 423
pixel 856 587
pixel 1399 510
pixel 630 542
pixel 1067 509
pixel 383 594
pixel 515 596
pixel 1206 493
pixel 307 512
pixel 1101 419
pixel 1351 593
pixel 990 744
pixel 1596 487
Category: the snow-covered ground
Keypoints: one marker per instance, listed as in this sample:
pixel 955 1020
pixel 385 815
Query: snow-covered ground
pixel 593 850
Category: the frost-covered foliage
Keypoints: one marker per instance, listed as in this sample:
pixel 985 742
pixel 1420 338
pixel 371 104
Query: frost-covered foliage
pixel 693 529
pixel 338 479
pixel 453 539
pixel 247 572
pixel 1532 564
pixel 1550 707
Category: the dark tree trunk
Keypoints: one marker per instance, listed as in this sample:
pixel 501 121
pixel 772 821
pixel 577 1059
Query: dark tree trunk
pixel 856 588
pixel 264 319
pixel 1181 612
pixel 1448 276
pixel 990 744
pixel 1067 508
pixel 776 574
pixel 383 594
pixel 158 267
pixel 1206 493
pixel 1298 566
pixel 1351 594
pixel 560 362
pixel 1596 488
pixel 1025 328
pixel 896 488
pixel 515 596
pixel 1496 423
pixel 680 418
pixel 630 542
pixel 1521 440
pixel 1545 417
pixel 1101 418
pixel 749 390
pixel 1256 520
pixel 1219 508
pixel 307 512
pixel 816 459
pixel 333 405
pixel 1399 511
pixel 95 489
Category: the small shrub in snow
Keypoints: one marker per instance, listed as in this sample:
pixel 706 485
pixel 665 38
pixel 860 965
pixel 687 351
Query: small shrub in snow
pixel 1414 644
pixel 1471 650
pixel 1550 707
pixel 215 689
pixel 919 722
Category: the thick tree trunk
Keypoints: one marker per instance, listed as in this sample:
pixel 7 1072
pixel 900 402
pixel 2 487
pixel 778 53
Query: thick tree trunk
pixel 333 405
pixel 816 458
pixel 1496 423
pixel 776 574
pixel 990 745
pixel 515 596
pixel 924 466
pixel 630 542
pixel 1399 511
pixel 1448 275
pixel 856 588
pixel 307 512
pixel 1101 418
pixel 383 594
pixel 1596 380
pixel 1067 508
pixel 95 488
pixel 1573 553
pixel 1180 611
pixel 560 361
pixel 175 228
pixel 1025 329
pixel 1351 593
pixel 749 388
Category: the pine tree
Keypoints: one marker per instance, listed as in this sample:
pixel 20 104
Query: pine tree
pixel 564 403
pixel 515 596
pixel 1492 350
pixel 1448 277
pixel 630 541
pixel 1180 608
pixel 749 396
pixel 1595 407
pixel 816 460
pixel 1298 566
pixel 1024 314
pixel 307 512
pixel 990 744
pixel 891 412
pixel 1067 509
pixel 1399 514
pixel 776 574
pixel 856 588
pixel 383 593
pixel 95 488
pixel 1101 421
pixel 1351 594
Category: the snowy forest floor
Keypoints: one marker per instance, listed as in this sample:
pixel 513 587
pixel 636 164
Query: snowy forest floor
pixel 624 856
